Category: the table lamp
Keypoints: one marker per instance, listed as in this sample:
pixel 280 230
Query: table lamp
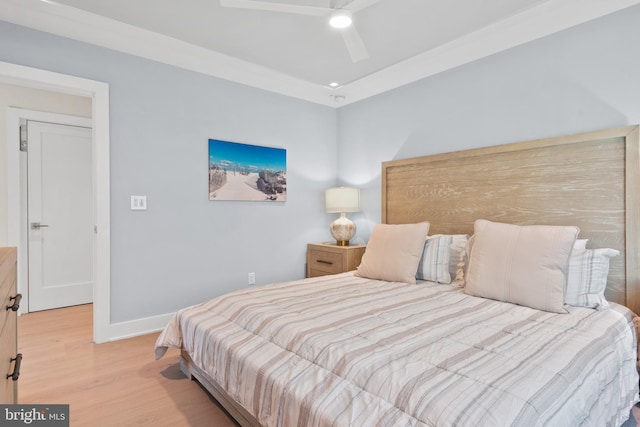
pixel 342 200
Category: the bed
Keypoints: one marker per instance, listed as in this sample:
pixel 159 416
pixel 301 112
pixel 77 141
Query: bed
pixel 356 349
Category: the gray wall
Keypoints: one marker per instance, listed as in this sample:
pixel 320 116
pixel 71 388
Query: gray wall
pixel 184 248
pixel 585 78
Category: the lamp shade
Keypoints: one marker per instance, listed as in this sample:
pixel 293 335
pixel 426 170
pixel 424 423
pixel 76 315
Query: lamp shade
pixel 342 199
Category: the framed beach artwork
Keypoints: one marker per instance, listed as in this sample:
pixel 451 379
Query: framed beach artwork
pixel 247 172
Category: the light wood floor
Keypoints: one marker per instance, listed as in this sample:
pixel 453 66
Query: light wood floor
pixel 111 384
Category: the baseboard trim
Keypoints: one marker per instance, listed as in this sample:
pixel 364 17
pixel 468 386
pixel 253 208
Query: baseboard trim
pixel 134 328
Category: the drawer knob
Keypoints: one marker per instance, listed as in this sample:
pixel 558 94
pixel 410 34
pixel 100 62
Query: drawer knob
pixel 16 302
pixel 16 368
pixel 321 261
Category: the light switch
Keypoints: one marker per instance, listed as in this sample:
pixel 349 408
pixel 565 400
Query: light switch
pixel 138 203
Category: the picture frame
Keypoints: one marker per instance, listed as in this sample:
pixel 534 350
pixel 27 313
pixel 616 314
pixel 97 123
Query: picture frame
pixel 244 172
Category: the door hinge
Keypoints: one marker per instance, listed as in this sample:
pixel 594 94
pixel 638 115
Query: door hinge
pixel 23 137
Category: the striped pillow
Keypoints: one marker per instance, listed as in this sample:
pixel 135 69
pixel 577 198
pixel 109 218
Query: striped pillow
pixel 434 263
pixel 587 277
pixel 443 258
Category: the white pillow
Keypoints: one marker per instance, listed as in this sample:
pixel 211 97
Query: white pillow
pixel 587 277
pixel 580 244
pixel 458 258
pixel 523 265
pixel 393 252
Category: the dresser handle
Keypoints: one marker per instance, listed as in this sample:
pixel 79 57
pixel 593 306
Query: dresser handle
pixel 321 261
pixel 16 369
pixel 16 302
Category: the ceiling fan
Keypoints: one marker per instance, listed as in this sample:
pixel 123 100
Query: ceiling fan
pixel 340 17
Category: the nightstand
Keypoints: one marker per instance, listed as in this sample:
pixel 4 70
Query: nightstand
pixel 327 258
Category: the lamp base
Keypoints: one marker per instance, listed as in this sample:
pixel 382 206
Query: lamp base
pixel 342 229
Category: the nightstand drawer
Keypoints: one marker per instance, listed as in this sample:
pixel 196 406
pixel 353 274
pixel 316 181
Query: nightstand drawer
pixel 326 258
pixel 327 262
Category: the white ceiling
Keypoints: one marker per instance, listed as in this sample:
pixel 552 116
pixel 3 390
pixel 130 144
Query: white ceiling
pixel 299 55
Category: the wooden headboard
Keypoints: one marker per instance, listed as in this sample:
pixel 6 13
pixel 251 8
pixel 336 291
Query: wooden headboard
pixel 591 180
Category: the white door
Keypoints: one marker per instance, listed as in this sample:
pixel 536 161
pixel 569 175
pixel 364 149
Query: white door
pixel 60 212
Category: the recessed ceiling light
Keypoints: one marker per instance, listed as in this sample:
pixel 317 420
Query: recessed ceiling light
pixel 334 84
pixel 340 19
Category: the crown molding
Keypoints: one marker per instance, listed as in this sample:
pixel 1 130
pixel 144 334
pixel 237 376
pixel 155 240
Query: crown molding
pixel 77 24
pixel 539 21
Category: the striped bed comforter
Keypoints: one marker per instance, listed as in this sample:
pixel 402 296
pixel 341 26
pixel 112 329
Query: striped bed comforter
pixel 347 351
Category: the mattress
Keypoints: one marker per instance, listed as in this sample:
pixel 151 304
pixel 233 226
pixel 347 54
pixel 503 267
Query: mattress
pixel 349 351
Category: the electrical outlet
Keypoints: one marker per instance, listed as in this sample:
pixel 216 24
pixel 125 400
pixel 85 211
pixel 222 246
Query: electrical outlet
pixel 252 278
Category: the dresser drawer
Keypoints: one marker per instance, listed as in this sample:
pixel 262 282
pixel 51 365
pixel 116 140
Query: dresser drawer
pixel 7 284
pixel 8 344
pixel 8 325
pixel 7 291
pixel 327 262
pixel 8 341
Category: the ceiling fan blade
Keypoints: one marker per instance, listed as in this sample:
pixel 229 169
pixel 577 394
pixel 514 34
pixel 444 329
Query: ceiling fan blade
pixel 276 7
pixel 357 5
pixel 354 43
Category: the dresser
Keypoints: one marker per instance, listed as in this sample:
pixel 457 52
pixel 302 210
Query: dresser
pixel 327 258
pixel 10 299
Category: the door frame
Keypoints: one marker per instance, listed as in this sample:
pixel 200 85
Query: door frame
pixel 99 94
pixel 19 116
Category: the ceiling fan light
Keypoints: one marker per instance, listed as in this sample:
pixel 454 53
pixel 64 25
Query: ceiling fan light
pixel 340 19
